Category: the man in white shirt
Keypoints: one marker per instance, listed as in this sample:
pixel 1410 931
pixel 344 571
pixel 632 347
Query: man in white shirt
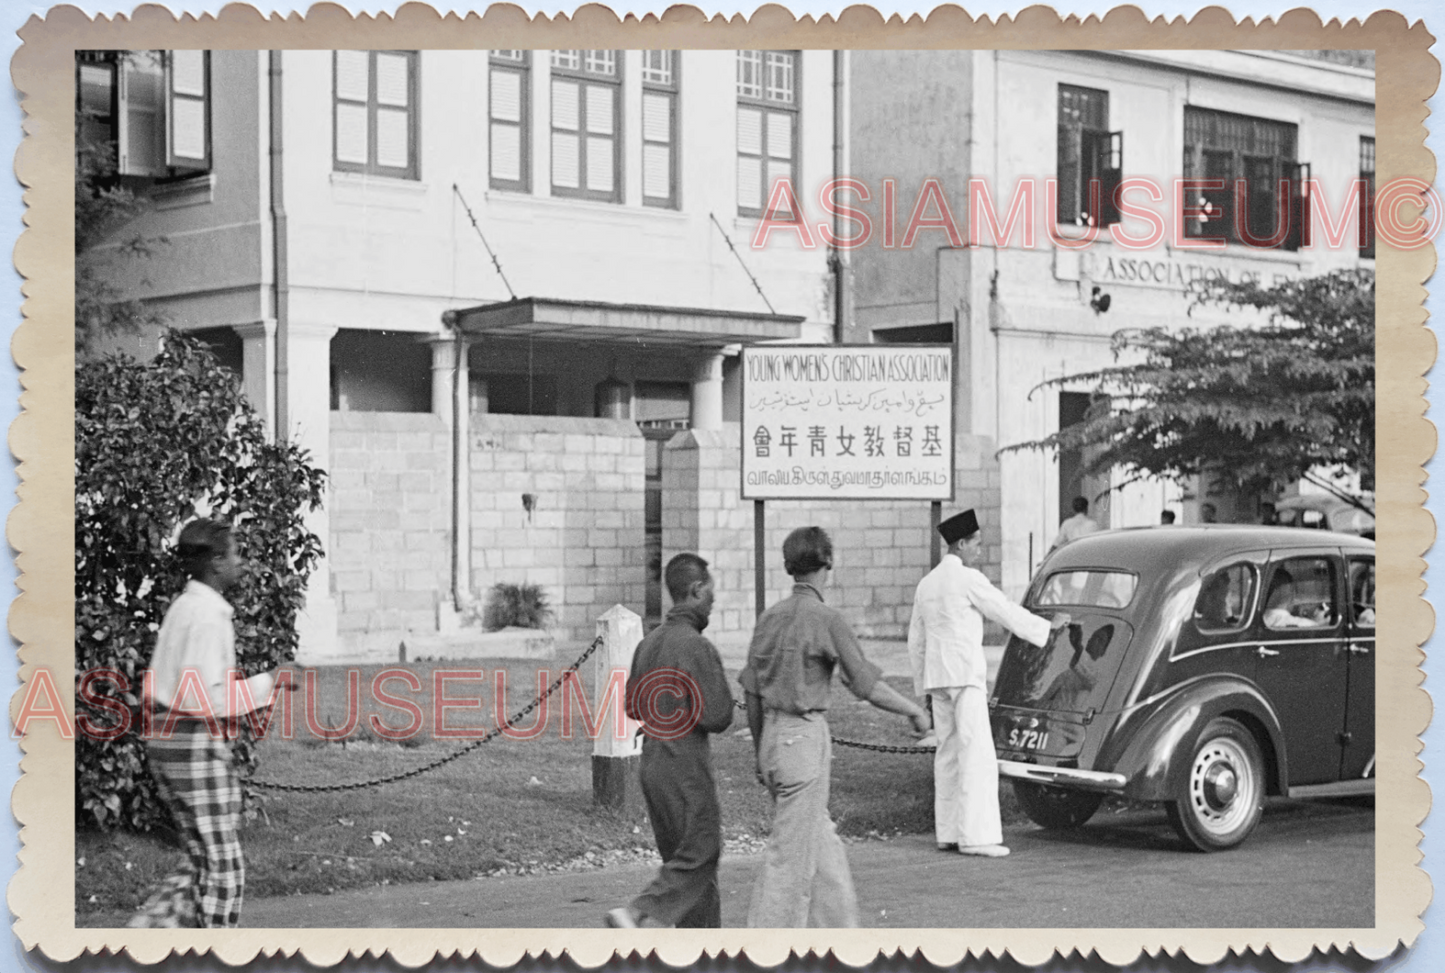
pixel 1076 526
pixel 945 646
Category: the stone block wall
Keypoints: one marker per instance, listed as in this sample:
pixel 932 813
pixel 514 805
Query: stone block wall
pixel 881 548
pixel 390 521
pixel 582 539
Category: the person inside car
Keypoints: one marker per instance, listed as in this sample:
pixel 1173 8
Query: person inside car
pixel 1281 610
pixel 1220 604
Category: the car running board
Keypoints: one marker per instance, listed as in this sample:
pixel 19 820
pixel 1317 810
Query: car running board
pixel 1343 788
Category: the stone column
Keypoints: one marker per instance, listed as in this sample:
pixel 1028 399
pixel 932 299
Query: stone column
pixel 707 392
pixel 258 369
pixel 615 757
pixel 701 511
pixel 443 375
pixel 308 424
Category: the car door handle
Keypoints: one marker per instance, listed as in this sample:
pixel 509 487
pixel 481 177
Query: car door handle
pixel 1264 653
pixel 1359 650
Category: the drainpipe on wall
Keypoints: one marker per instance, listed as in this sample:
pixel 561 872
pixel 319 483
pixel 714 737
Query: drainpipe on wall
pixel 280 284
pixel 461 523
pixel 840 119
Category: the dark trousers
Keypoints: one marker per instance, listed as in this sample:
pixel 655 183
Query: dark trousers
pixel 681 797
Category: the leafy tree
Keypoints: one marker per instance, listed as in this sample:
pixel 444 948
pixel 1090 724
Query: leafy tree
pixel 103 208
pixel 153 441
pixel 1257 404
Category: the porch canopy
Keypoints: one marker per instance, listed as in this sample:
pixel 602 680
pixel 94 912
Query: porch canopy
pixel 642 324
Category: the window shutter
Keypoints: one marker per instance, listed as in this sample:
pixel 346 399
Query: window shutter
pixel 657 146
pixel 141 135
pixel 96 85
pixel 1111 174
pixel 506 96
pixel 1067 172
pixel 510 125
pixel 188 121
pixel 1367 216
pixel 1299 209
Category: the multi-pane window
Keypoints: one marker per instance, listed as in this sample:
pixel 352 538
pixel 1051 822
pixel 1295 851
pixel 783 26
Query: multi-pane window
pixel 508 110
pixel 767 127
pixel 375 112
pixel 153 106
pixel 586 160
pixel 1090 158
pixel 659 128
pixel 1367 196
pixel 1259 194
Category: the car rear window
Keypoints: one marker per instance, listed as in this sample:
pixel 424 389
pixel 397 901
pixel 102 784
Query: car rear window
pixel 1091 588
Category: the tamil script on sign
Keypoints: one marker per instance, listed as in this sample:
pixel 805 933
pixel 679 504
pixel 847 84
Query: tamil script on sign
pixel 864 422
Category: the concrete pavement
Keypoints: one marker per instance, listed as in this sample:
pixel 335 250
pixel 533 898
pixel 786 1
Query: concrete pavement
pixel 1311 864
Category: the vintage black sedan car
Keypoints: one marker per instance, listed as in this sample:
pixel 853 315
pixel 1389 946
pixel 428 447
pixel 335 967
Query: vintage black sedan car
pixel 1204 668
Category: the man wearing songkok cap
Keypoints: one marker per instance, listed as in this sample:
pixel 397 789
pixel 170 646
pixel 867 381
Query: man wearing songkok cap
pixel 945 645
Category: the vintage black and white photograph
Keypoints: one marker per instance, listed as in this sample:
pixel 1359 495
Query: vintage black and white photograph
pixel 708 488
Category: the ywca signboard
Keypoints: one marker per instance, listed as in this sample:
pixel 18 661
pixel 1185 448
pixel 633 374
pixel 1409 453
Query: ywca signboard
pixel 847 422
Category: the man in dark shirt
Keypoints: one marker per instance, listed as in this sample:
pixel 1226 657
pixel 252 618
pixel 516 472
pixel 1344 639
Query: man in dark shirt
pixel 679 692
pixel 796 645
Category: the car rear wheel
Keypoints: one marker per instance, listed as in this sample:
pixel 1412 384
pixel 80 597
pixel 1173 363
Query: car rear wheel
pixel 1221 797
pixel 1056 808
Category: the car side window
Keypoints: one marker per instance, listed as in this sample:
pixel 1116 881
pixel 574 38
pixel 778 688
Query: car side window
pixel 1225 599
pixel 1362 593
pixel 1301 594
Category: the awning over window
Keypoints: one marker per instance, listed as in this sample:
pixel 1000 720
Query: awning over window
pixel 641 324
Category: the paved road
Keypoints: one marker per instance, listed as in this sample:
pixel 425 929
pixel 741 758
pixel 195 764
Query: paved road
pixel 1310 864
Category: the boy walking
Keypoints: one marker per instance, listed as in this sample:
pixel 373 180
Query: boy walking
pixel 191 690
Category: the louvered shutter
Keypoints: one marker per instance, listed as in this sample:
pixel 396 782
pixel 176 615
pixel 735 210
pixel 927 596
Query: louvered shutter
pixel 188 121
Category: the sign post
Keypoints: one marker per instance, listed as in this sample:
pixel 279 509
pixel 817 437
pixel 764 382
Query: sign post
pixel 760 571
pixel 846 422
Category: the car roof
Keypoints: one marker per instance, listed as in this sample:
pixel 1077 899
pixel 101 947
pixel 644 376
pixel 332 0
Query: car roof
pixel 1146 549
pixel 1315 501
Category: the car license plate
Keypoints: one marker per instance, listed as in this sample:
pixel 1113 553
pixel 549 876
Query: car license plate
pixel 1022 739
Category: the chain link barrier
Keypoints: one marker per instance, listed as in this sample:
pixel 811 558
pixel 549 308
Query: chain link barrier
pixel 492 734
pixel 440 761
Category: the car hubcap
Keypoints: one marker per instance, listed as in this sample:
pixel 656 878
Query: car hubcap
pixel 1220 786
pixel 1222 791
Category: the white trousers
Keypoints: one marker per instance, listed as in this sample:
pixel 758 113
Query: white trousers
pixel 965 769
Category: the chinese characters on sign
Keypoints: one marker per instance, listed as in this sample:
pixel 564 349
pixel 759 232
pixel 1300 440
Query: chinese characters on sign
pixel 861 422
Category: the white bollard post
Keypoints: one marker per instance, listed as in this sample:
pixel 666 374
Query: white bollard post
pixel 614 761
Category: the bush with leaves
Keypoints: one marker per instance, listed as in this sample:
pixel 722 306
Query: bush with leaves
pixel 153 442
pixel 516 606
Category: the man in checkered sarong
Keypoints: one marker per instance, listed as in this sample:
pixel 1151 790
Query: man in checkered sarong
pixel 193 690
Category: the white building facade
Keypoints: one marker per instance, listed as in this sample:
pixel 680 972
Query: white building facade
pixel 340 224
pixel 1024 308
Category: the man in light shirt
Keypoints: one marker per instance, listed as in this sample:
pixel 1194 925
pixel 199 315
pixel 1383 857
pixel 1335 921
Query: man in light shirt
pixel 196 694
pixel 1076 526
pixel 945 646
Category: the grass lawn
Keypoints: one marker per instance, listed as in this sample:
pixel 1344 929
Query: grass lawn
pixel 509 805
